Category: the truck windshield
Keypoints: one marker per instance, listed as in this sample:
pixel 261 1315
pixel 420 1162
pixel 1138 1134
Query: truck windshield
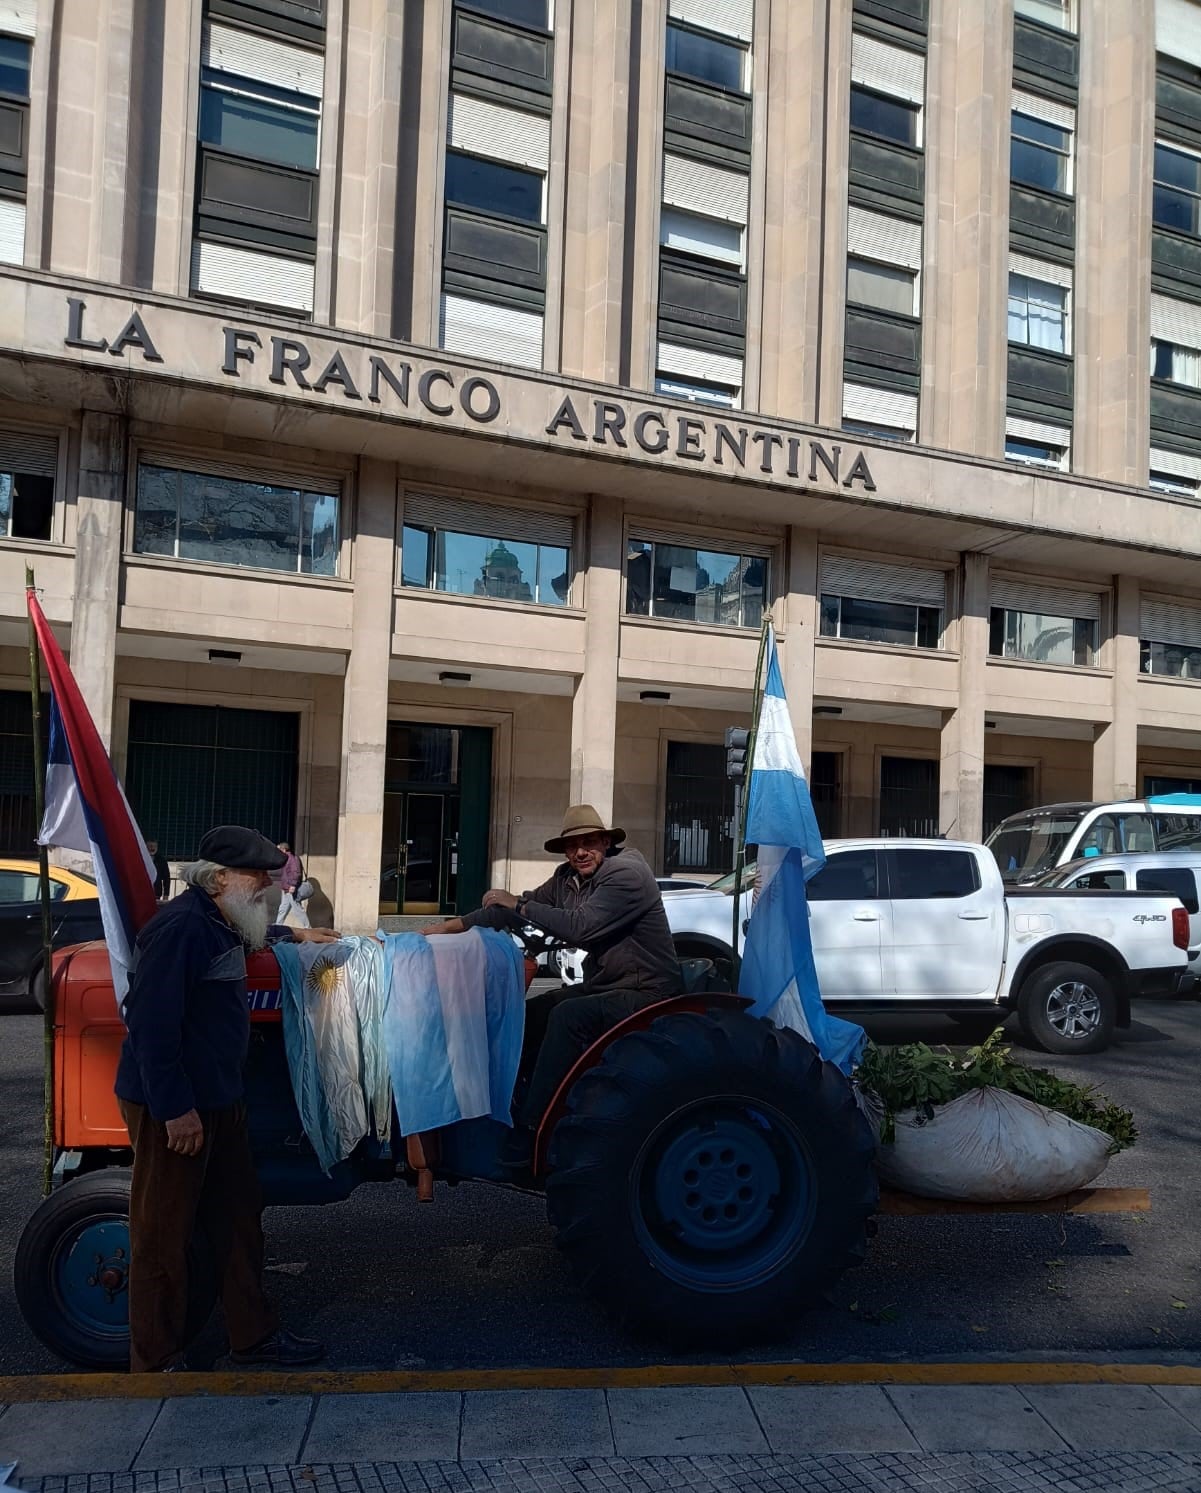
pixel 1029 844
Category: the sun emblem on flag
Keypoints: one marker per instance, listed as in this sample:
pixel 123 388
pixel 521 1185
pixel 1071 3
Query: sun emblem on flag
pixel 323 977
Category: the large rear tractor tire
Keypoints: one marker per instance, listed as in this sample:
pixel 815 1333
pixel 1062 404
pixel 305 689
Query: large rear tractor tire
pixel 711 1178
pixel 71 1273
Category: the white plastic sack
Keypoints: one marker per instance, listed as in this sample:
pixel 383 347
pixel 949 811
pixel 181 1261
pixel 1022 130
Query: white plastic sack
pixel 989 1146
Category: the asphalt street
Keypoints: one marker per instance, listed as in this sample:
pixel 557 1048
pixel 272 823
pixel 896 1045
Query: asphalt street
pixel 473 1279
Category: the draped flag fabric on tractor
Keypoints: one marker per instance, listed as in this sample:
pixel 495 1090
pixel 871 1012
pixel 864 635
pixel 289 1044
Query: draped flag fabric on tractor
pixel 778 971
pixel 86 810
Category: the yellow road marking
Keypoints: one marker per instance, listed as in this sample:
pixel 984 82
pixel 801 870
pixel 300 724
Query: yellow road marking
pixel 16 1388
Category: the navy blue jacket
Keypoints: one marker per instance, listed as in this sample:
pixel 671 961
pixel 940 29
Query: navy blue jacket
pixel 186 1014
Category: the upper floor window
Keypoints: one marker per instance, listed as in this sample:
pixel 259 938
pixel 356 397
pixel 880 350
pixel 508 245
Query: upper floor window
pixel 1038 313
pixel 1035 453
pixel 684 584
pixel 493 187
pixel 1172 482
pixel 235 521
pixel 887 287
pixel 1176 195
pixel 861 620
pixel 882 432
pixel 1040 154
pixel 531 13
pixel 1169 639
pixel 15 58
pixel 1176 660
pixel 1057 13
pixel 502 568
pixel 1176 363
pixel 255 119
pixel 1040 638
pixel 889 118
pixel 27 468
pixel 706 238
pixel 718 395
pixel 709 59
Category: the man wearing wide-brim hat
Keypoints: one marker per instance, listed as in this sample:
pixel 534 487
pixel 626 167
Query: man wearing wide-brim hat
pixel 603 899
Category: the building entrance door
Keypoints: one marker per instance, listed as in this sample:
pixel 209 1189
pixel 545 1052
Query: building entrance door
pixel 437 794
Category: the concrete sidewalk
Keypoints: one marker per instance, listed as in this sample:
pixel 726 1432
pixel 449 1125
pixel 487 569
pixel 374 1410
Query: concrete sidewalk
pixel 1077 1437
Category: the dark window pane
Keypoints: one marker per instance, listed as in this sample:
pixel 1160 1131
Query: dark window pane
pixel 996 631
pixel 878 621
pixel 639 559
pixel 831 609
pixel 1177 210
pixel 1041 131
pixel 923 874
pixel 1100 881
pixel 846 877
pixel 531 13
pixel 487 185
pixel 699 808
pixel 881 285
pixel 158 505
pixel 887 117
pixel 15 54
pixel 259 128
pixel 415 557
pixel 929 627
pixel 428 755
pixel 1173 659
pixel 32 506
pixel 706 58
pixel 1175 169
pixel 1037 167
pixel 227 522
pixel 908 796
pixel 1179 881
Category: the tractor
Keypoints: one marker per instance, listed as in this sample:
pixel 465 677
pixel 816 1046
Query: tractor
pixel 706 1174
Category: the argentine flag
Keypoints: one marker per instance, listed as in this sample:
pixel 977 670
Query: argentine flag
pixel 778 972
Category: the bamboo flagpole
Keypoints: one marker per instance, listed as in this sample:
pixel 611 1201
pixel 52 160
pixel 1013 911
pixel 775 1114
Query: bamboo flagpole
pixel 743 799
pixel 39 809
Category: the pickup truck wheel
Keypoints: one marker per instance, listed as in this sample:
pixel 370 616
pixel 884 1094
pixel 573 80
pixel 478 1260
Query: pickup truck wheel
pixel 71 1273
pixel 711 1178
pixel 1068 1008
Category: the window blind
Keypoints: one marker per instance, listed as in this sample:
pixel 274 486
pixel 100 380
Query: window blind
pixel 19 17
pixel 1041 269
pixel 1177 33
pixel 480 329
pixel 879 406
pixel 1047 601
pixel 1168 622
pixel 871 580
pixel 1043 108
pixel 1177 463
pixel 874 236
pixel 490 520
pixel 691 362
pixel 191 461
pixel 1175 321
pixel 699 188
pixel 262 58
pixel 1036 430
pixel 730 17
pixel 485 129
pixel 891 70
pixel 21 451
pixel 248 275
pixel 723 545
pixel 12 231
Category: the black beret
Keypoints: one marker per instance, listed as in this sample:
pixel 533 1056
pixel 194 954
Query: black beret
pixel 241 849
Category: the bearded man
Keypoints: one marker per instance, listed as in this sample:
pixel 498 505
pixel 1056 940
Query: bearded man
pixel 179 1086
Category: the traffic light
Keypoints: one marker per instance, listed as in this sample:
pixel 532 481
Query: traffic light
pixel 737 743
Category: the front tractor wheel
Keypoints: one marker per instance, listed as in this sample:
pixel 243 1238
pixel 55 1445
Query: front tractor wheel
pixel 711 1178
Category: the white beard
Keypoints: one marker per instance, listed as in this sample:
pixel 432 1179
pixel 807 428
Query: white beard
pixel 247 914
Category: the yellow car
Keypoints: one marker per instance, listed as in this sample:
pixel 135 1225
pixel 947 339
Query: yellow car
pixel 74 918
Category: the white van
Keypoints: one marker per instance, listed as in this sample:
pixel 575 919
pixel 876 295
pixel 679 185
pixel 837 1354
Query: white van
pixel 1175 871
pixel 1028 845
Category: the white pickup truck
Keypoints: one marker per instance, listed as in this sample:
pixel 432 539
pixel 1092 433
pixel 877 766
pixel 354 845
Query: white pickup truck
pixel 927 925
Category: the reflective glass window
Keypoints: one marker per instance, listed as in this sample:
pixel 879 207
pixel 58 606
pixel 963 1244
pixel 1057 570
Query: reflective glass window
pixel 1039 638
pixel 1176 660
pixel 859 619
pixel 503 569
pixel 1039 153
pixel 887 287
pixel 257 120
pixel 15 56
pixel 491 187
pixel 531 13
pixel 683 584
pixel 707 58
pixel 1038 313
pixel 1176 195
pixel 877 114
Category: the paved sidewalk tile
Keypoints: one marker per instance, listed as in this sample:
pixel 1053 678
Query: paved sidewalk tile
pixel 76 1436
pixel 1114 1417
pixel 226 1431
pixel 689 1422
pixel 1183 1397
pixel 972 1417
pixel 535 1423
pixel 830 1418
pixel 385 1428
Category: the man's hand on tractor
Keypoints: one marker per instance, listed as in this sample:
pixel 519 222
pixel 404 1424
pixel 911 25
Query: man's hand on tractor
pixel 185 1134
pixel 315 935
pixel 450 925
pixel 497 898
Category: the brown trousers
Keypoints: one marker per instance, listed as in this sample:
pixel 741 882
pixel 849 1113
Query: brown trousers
pixel 173 1196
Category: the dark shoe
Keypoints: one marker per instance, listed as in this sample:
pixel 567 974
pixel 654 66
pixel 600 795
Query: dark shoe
pixel 517 1152
pixel 283 1348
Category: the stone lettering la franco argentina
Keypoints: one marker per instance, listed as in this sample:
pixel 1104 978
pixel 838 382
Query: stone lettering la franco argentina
pixel 357 375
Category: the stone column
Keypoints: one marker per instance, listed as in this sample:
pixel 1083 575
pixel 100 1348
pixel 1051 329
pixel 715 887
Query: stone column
pixel 420 187
pixel 645 175
pixel 800 620
pixel 798 131
pixel 365 701
pixel 961 770
pixel 969 77
pixel 594 705
pixel 832 194
pixel 1115 750
pixel 595 226
pixel 1112 301
pixel 99 526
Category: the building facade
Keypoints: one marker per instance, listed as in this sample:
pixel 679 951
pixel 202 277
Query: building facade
pixel 410 409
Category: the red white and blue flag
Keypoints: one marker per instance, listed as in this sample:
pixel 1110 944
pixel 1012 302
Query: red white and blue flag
pixel 86 810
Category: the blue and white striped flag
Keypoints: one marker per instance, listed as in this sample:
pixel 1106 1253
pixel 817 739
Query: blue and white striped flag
pixel 778 972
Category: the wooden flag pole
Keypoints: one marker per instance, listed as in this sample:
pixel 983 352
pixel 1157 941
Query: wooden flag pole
pixel 39 809
pixel 743 800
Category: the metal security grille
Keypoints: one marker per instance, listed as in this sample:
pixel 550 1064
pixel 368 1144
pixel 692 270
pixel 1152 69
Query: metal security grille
pixel 1007 790
pixel 699 809
pixel 18 826
pixel 193 766
pixel 908 796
